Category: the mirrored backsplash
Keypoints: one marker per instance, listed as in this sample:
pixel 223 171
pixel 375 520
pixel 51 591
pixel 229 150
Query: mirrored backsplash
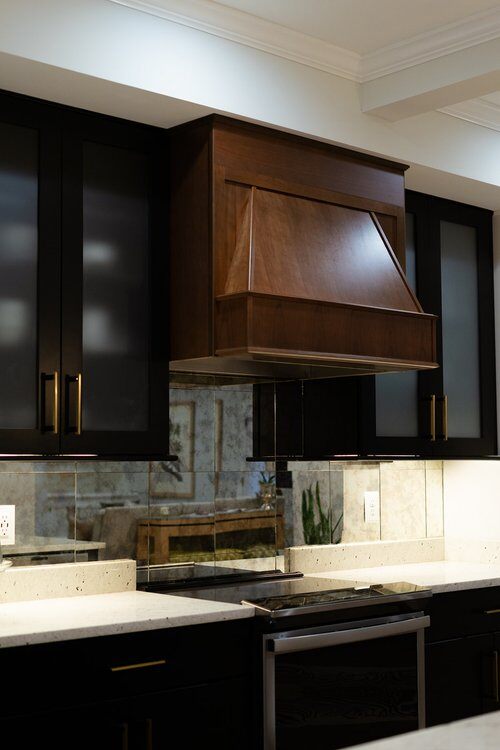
pixel 217 505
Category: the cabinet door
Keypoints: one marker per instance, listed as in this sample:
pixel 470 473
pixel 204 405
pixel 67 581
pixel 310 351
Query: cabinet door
pixel 399 408
pixel 29 277
pixel 449 411
pixel 461 678
pixel 466 412
pixel 114 290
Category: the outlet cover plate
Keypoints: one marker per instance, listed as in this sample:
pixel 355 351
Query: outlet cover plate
pixel 7 524
pixel 372 507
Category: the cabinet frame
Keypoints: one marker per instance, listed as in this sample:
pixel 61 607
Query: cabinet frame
pixel 429 211
pixel 61 131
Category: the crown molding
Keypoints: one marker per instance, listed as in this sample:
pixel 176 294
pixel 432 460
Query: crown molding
pixel 266 36
pixel 255 32
pixel 439 42
pixel 479 111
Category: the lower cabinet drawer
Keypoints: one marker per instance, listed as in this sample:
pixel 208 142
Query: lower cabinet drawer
pixel 216 715
pixel 461 613
pixel 113 667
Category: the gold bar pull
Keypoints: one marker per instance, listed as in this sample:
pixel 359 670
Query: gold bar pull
pixel 56 402
pixel 444 417
pixel 139 665
pixel 495 676
pixel 432 417
pixel 79 404
pixel 491 612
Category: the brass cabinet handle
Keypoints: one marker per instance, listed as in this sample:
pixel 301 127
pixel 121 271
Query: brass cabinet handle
pixel 79 404
pixel 432 417
pixel 44 377
pixel 139 665
pixel 56 402
pixel 149 734
pixel 76 379
pixel 491 612
pixel 124 735
pixel 495 676
pixel 444 417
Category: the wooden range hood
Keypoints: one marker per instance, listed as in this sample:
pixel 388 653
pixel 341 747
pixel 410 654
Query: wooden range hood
pixel 284 258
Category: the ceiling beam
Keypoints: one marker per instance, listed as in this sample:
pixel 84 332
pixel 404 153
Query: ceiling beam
pixel 447 80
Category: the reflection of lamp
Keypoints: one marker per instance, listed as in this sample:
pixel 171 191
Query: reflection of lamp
pixel 14 319
pixel 99 333
pixel 98 253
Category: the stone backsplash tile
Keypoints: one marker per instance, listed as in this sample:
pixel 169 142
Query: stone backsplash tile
pixel 356 483
pixel 403 509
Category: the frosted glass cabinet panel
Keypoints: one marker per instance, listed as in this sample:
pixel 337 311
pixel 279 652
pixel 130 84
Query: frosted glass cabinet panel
pixel 397 393
pixel 18 276
pixel 30 237
pixel 460 326
pixel 115 289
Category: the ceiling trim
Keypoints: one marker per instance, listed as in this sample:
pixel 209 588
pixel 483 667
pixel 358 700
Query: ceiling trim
pixel 255 32
pixel 443 40
pixel 479 111
pixel 252 31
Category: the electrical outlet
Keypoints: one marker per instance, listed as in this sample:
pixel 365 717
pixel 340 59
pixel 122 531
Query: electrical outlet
pixel 372 507
pixel 7 524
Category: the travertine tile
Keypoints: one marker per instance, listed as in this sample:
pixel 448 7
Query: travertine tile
pixel 403 511
pixel 356 483
pixel 338 557
pixel 434 501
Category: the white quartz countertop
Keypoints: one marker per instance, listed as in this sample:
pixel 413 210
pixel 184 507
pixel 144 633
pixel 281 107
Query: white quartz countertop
pixel 440 576
pixel 50 620
pixel 479 733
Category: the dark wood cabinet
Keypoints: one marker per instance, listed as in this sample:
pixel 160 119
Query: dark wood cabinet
pixel 284 257
pixel 83 283
pixel 146 691
pixel 446 412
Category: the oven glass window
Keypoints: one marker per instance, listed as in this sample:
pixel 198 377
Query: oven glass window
pixel 335 697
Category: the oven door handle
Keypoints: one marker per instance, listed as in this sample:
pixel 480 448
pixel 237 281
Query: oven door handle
pixel 294 643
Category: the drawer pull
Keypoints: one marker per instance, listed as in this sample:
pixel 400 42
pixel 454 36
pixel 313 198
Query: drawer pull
pixel 491 612
pixel 139 665
pixel 495 675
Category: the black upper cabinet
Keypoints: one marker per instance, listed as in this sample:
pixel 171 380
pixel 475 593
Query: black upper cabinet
pixel 83 284
pixel 446 412
pixel 450 411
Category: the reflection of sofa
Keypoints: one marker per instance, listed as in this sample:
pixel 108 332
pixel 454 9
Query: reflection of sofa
pixel 115 526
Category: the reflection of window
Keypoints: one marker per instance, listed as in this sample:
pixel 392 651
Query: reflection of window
pixel 100 334
pixel 14 321
pixel 98 253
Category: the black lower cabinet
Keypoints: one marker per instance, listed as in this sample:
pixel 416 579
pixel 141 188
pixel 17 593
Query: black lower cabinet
pixel 187 687
pixel 463 655
pixel 461 678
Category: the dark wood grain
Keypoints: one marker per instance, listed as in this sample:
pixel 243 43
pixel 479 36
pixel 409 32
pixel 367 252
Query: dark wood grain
pixel 294 260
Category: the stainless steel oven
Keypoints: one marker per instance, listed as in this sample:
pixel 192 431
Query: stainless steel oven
pixel 336 664
pixel 335 686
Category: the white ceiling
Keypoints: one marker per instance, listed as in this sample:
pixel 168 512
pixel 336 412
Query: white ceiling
pixel 361 25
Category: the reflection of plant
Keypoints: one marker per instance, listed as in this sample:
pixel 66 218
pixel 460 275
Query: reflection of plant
pixel 266 477
pixel 314 533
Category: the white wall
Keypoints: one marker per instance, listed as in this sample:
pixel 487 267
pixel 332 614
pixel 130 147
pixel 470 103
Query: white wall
pixel 107 57
pixel 472 500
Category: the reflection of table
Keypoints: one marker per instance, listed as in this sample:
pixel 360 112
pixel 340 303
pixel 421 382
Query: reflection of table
pixel 153 535
pixel 50 545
